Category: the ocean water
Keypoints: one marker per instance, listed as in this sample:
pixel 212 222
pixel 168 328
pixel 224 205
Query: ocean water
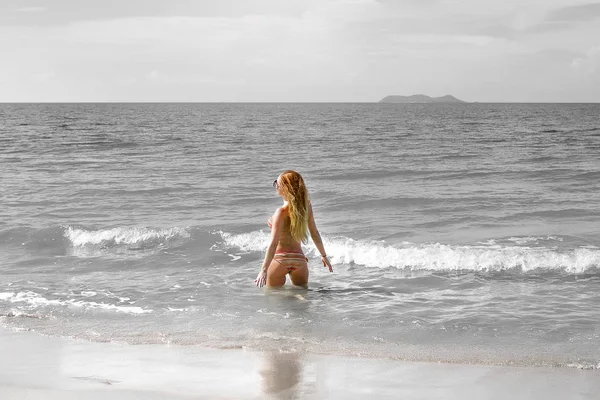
pixel 458 233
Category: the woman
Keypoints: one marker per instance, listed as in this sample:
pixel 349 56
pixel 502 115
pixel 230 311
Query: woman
pixel 289 228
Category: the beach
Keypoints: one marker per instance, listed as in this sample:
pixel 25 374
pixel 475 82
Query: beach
pixel 41 367
pixel 299 200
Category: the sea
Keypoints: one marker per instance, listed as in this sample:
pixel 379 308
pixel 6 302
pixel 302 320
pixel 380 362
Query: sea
pixel 459 233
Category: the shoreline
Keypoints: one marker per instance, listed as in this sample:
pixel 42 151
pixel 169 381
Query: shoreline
pixel 42 367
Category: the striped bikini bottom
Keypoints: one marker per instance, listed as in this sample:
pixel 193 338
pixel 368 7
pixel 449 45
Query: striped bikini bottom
pixel 289 260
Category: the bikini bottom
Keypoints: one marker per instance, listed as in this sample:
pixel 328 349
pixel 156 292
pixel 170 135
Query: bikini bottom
pixel 289 260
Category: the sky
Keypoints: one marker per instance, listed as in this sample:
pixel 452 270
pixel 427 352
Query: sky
pixel 298 50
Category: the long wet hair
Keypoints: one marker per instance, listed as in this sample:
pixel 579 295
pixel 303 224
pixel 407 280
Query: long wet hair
pixel 295 192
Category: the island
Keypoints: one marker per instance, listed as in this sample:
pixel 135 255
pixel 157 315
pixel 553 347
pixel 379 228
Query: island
pixel 420 98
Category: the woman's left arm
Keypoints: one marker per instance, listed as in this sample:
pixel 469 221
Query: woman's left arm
pixel 276 228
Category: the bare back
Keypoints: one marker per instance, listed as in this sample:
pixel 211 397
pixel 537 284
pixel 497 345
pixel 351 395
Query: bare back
pixel 286 244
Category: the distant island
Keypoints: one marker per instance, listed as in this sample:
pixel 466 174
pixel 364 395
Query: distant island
pixel 420 98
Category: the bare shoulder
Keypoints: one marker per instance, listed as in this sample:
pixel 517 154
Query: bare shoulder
pixel 280 212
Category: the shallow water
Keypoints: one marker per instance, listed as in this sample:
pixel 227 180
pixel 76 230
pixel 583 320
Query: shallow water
pixel 465 233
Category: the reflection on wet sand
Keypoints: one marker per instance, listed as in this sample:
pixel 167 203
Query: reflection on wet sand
pixel 281 375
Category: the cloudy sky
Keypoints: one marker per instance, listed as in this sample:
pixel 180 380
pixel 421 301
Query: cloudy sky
pixel 299 50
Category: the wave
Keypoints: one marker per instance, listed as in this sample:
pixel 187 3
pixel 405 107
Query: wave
pixel 130 236
pixel 482 257
pixel 72 240
pixel 252 241
pixel 515 254
pixel 34 300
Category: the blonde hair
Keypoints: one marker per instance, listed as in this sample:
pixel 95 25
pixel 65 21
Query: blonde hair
pixel 295 192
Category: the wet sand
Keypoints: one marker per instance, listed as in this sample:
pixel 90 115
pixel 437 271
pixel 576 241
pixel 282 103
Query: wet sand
pixel 37 367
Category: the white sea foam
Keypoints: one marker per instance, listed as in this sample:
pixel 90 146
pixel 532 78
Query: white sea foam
pixel 438 257
pixel 6 296
pixel 252 241
pixel 122 236
pixel 34 300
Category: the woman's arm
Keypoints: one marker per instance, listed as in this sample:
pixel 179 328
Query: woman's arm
pixel 316 237
pixel 276 228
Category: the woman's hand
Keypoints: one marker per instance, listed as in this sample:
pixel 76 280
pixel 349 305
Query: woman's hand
pixel 261 279
pixel 326 263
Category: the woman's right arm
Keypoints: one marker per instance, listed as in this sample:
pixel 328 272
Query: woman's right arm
pixel 316 237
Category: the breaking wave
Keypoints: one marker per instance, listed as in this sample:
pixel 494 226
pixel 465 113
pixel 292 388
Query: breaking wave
pixel 484 257
pixel 139 237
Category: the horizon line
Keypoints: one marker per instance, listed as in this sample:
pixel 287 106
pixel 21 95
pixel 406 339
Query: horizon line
pixel 295 102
